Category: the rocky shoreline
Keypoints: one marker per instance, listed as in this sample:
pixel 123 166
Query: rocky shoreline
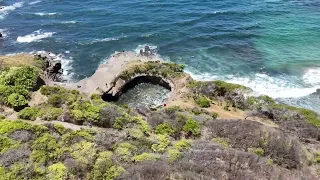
pixel 52 67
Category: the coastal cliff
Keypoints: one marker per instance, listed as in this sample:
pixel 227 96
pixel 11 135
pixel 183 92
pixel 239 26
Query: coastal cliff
pixel 207 130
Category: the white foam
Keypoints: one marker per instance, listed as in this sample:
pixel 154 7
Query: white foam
pixel 276 87
pixel 34 37
pixel 312 77
pixel 34 2
pixel 104 40
pixel 4 32
pixel 69 22
pixel 45 14
pixel 141 46
pixel 7 9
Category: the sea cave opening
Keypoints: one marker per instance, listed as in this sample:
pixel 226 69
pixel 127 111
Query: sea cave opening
pixel 145 91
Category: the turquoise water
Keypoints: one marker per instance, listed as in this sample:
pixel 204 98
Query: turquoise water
pixel 144 95
pixel 272 46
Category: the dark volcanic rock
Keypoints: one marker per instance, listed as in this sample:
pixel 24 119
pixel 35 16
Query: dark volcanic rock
pixel 52 67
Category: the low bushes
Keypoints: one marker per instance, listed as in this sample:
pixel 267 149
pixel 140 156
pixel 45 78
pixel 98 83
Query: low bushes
pixel 222 141
pixel 165 128
pixel 28 113
pixel 257 151
pixel 145 157
pixel 192 127
pixel 17 101
pixel 16 84
pixel 202 101
pixel 49 113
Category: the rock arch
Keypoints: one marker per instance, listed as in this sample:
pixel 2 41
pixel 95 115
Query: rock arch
pixel 121 86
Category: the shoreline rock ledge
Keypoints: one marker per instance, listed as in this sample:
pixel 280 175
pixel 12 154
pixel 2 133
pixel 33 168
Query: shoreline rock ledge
pixel 52 66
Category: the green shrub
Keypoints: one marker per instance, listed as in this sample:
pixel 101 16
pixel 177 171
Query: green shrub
pixel 202 101
pixel 164 128
pixel 50 90
pixel 95 96
pixel 84 152
pixel 125 151
pixel 28 113
pixel 57 171
pixel 49 113
pixel 20 90
pixel 183 144
pixel 174 154
pixel 6 144
pixel 196 111
pixel 135 133
pixel 113 172
pixel 60 129
pixel 83 134
pixel 92 114
pixel 317 157
pixel 192 126
pixel 162 144
pixel 102 165
pixel 214 115
pixel 222 141
pixel 172 109
pixel 223 87
pixel 77 115
pixel 311 116
pixel 6 91
pixel 181 66
pixel 20 76
pixel 123 122
pixel 43 148
pixel 257 151
pixel 56 100
pixel 145 157
pixel 7 127
pixel 17 100
pixel 270 162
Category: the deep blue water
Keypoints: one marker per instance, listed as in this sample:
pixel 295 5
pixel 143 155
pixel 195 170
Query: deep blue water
pixel 272 46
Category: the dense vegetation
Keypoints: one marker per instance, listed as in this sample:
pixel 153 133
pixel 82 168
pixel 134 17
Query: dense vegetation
pixel 16 83
pixel 144 144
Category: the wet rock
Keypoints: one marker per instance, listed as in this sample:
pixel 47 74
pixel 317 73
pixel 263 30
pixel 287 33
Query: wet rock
pixel 317 92
pixel 51 66
pixel 1 35
pixel 147 51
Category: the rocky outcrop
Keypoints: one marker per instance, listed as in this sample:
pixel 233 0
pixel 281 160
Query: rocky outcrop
pixel 52 67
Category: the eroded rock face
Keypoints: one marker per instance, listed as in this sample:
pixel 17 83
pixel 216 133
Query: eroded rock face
pixel 52 67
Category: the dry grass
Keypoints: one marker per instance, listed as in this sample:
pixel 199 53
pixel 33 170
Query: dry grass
pixel 19 60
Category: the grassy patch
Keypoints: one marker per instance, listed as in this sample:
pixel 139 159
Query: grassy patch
pixel 222 141
pixel 257 151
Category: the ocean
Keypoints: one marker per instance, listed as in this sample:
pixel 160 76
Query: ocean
pixel 271 46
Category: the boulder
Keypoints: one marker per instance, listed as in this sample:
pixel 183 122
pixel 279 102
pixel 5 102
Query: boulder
pixel 51 66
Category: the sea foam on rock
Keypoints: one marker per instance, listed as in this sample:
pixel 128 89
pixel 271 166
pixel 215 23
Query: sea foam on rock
pixel 52 66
